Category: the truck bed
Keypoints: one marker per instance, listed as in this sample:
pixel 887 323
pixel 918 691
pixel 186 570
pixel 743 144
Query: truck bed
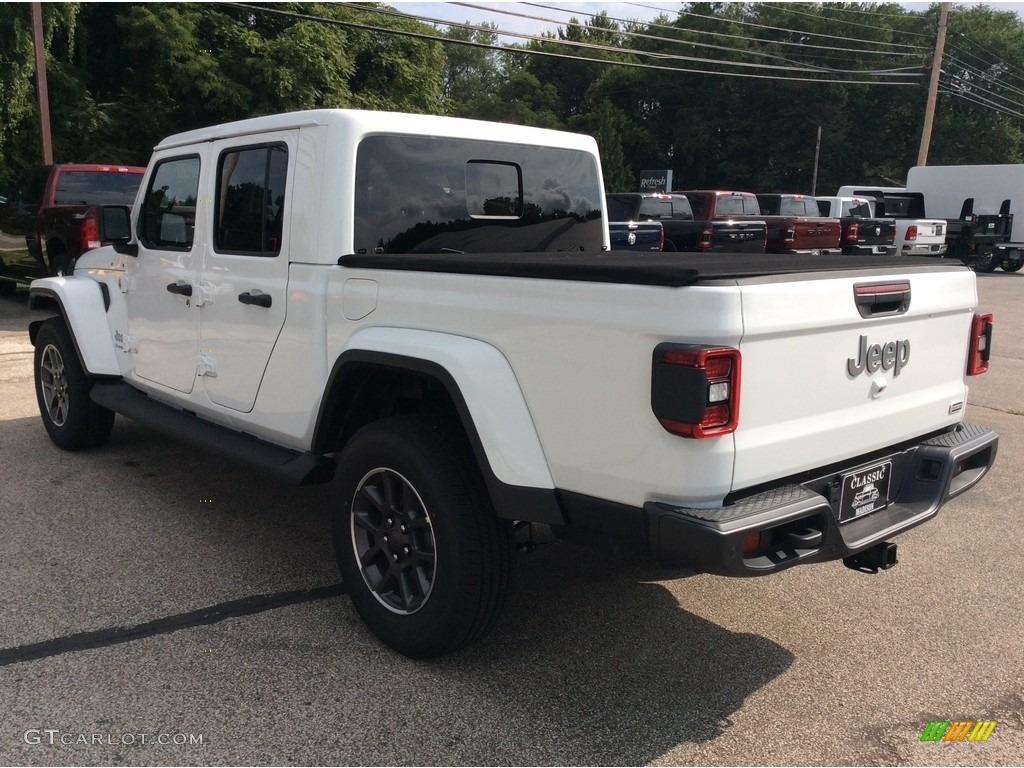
pixel 634 268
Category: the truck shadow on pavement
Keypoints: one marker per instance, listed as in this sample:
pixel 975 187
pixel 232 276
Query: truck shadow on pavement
pixel 593 661
pixel 604 666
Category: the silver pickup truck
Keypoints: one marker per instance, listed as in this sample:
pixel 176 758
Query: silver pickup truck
pixel 916 235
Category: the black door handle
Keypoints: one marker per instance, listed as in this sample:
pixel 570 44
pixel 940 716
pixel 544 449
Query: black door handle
pixel 259 299
pixel 182 289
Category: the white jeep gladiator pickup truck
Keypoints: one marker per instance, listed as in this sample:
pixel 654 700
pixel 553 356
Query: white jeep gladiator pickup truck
pixel 423 311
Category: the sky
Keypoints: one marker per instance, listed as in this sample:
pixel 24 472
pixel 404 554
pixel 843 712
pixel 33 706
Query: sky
pixel 501 13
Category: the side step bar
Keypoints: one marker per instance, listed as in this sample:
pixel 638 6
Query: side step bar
pixel 291 466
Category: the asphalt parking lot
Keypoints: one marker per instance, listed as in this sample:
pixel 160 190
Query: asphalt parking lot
pixel 159 606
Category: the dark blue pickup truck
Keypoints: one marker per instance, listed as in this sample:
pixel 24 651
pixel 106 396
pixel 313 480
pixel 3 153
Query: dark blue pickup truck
pixel 636 235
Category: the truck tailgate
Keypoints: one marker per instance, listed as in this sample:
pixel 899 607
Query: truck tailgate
pixel 823 384
pixel 738 235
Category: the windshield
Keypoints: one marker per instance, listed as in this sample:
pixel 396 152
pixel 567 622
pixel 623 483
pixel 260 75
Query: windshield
pixel 97 187
pixel 798 207
pixel 860 210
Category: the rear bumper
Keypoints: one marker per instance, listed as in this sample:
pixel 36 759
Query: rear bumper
pixel 924 250
pixel 810 251
pixel 798 522
pixel 870 250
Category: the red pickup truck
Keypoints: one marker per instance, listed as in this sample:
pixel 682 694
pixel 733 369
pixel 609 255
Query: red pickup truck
pixel 795 225
pixel 52 217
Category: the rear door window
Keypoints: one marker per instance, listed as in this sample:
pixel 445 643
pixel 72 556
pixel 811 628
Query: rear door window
pixel 420 194
pixel 250 200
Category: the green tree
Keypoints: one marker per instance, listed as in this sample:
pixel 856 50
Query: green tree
pixel 471 72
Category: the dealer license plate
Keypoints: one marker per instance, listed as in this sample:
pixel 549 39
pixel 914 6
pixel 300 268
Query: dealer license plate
pixel 865 491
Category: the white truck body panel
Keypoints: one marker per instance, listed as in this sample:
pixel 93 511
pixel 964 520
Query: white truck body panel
pixel 945 187
pixel 97 351
pixel 488 384
pixel 805 417
pixel 591 367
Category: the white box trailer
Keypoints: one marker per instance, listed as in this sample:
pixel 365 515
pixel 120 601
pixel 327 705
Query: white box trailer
pixel 985 200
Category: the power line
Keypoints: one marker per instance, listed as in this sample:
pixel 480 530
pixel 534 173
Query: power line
pixel 993 79
pixel 967 85
pixel 674 41
pixel 988 64
pixel 768 41
pixel 821 15
pixel 980 101
pixel 606 48
pixel 783 29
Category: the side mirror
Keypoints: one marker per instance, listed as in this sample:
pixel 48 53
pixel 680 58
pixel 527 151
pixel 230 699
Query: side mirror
pixel 116 222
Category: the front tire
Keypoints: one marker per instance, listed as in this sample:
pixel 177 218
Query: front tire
pixel 71 418
pixel 424 557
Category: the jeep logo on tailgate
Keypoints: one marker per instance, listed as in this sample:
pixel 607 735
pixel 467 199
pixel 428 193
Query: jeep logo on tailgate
pixel 892 355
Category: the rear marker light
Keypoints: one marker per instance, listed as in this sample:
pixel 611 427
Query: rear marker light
pixel 695 389
pixel 980 349
pixel 751 543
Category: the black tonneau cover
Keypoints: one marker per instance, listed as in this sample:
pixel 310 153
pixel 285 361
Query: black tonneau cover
pixel 631 267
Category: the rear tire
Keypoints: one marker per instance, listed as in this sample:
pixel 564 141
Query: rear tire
pixel 986 262
pixel 71 418
pixel 63 264
pixel 424 557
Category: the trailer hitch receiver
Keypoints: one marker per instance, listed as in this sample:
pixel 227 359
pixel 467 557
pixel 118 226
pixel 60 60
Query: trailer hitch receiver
pixel 879 557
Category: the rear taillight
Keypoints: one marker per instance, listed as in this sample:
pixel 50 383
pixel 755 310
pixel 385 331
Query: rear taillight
pixel 912 232
pixel 853 233
pixel 695 390
pixel 90 233
pixel 789 235
pixel 980 348
pixel 661 239
pixel 706 241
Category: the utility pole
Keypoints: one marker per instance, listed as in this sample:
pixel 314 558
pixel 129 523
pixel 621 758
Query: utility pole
pixel 41 91
pixel 817 151
pixel 933 86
